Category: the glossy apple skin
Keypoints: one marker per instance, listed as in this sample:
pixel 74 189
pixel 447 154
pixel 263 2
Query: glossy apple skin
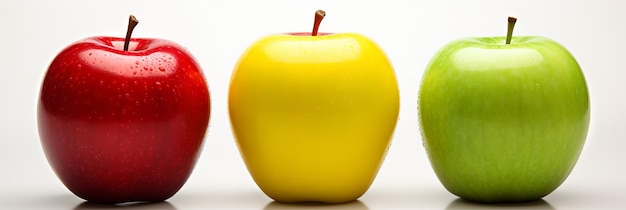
pixel 313 116
pixel 121 126
pixel 503 123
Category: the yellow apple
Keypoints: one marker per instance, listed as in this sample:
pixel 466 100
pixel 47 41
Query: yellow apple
pixel 313 115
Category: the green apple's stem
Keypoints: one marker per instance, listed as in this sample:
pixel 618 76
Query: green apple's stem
pixel 319 15
pixel 132 22
pixel 509 33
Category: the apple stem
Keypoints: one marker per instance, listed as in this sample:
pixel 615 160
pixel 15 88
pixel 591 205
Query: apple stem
pixel 319 15
pixel 509 33
pixel 132 22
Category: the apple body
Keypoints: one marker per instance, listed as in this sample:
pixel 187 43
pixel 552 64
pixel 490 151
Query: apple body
pixel 313 116
pixel 120 126
pixel 503 123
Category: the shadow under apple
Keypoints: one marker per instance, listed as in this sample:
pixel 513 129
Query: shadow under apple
pixel 461 203
pixel 358 205
pixel 130 205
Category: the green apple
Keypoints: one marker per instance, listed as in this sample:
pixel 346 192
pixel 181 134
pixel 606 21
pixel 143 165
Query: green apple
pixel 503 119
pixel 313 114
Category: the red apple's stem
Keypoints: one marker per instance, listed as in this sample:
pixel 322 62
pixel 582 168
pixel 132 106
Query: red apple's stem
pixel 319 15
pixel 132 22
pixel 509 33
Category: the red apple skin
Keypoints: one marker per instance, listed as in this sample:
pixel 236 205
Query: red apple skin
pixel 119 126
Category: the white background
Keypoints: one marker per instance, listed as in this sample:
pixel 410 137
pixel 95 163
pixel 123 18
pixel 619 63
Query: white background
pixel 217 32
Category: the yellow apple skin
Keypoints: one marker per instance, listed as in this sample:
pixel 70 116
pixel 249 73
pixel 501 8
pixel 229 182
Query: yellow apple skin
pixel 313 116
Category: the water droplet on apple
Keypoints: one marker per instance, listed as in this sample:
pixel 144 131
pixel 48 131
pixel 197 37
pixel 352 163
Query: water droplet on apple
pixel 136 62
pixel 161 68
pixel 90 54
pixel 145 68
pixel 157 83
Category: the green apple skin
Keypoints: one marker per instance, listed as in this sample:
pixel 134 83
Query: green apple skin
pixel 503 123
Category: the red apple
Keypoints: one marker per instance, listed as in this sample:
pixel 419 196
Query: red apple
pixel 123 125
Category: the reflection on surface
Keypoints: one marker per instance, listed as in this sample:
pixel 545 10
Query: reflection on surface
pixel 132 205
pixel 460 203
pixel 312 205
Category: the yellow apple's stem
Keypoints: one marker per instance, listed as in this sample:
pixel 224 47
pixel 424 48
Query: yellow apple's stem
pixel 509 33
pixel 132 22
pixel 319 15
